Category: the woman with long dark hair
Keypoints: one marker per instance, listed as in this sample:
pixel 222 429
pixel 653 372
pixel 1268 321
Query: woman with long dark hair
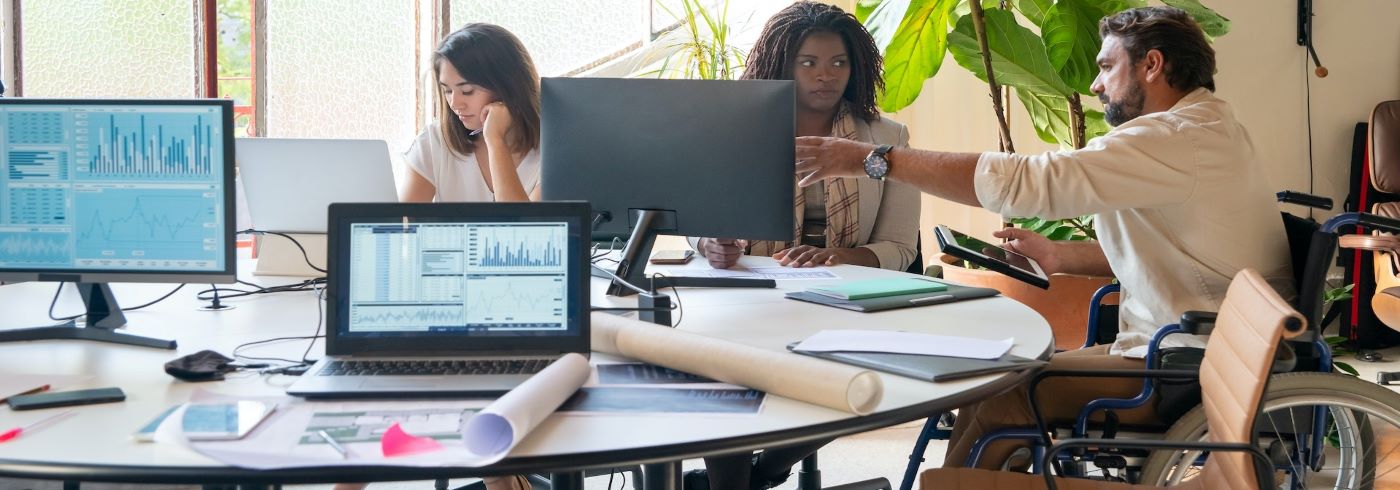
pixel 485 144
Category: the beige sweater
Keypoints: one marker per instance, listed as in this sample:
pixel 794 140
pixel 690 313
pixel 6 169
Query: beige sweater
pixel 1181 202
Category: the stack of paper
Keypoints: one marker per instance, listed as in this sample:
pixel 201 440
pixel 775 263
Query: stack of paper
pixel 878 288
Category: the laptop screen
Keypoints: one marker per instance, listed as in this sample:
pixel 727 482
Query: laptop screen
pixel 479 273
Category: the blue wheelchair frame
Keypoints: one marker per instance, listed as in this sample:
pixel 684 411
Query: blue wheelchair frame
pixel 1311 450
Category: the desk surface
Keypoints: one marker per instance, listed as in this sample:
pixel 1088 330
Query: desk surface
pixel 95 444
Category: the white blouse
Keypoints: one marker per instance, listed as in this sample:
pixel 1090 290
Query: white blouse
pixel 457 178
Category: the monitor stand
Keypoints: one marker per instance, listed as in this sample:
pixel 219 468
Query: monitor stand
pixel 632 265
pixel 99 324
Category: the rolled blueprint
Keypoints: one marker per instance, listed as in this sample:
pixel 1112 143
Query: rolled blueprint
pixel 496 429
pixel 802 378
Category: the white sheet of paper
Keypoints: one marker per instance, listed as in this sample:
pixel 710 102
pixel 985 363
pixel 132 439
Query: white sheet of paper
pixel 904 343
pixel 487 437
pixel 774 273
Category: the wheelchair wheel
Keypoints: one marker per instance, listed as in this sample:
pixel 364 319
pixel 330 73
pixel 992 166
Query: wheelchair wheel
pixel 1318 429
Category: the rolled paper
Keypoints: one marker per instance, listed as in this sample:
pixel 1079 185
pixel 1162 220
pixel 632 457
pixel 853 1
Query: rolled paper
pixel 495 430
pixel 802 378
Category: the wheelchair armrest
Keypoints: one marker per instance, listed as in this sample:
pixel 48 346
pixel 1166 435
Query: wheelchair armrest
pixel 1304 199
pixel 1101 373
pixel 1198 322
pixel 1263 467
pixel 1091 331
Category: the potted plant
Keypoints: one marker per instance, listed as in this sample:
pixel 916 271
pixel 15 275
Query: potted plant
pixel 1048 66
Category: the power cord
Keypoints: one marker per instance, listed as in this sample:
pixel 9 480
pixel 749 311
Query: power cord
pixel 59 291
pixel 294 367
pixel 307 285
pixel 680 310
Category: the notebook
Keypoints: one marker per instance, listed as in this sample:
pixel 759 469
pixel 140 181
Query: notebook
pixel 450 299
pixel 927 368
pixel 877 288
pixel 951 294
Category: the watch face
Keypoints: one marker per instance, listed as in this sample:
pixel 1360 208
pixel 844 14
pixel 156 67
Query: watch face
pixel 876 166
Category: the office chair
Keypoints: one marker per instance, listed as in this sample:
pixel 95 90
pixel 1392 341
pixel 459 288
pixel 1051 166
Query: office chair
pixel 1233 377
pixel 1383 147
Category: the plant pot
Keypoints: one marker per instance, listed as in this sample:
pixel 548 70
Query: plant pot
pixel 1065 305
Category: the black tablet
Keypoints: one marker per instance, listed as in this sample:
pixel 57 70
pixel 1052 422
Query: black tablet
pixel 978 252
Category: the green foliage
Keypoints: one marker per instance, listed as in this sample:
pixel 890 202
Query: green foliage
pixel 1018 55
pixel 705 52
pixel 915 51
pixel 1081 228
pixel 1336 294
pixel 1047 61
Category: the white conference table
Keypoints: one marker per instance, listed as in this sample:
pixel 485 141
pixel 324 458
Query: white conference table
pixel 95 444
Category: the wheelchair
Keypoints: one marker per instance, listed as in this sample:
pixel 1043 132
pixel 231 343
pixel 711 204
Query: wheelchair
pixel 1316 426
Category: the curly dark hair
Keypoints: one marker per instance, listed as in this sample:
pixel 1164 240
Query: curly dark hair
pixel 772 55
pixel 1172 32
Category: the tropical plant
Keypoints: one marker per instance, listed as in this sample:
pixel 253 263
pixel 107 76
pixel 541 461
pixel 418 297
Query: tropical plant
pixel 701 44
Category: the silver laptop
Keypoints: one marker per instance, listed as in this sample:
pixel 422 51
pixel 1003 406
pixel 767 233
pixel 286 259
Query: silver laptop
pixel 290 182
pixel 450 299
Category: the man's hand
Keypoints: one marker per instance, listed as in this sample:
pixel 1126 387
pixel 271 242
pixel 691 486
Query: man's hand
pixel 821 158
pixel 722 253
pixel 809 256
pixel 1033 245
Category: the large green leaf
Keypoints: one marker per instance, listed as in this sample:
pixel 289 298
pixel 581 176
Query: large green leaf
pixel 916 51
pixel 1017 54
pixel 883 21
pixel 1034 10
pixel 1071 32
pixel 864 8
pixel 965 7
pixel 1050 116
pixel 1213 23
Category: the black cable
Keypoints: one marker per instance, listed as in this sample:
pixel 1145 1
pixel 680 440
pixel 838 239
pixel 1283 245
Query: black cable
pixel 608 308
pixel 307 285
pixel 680 310
pixel 59 291
pixel 1307 91
pixel 312 338
pixel 305 256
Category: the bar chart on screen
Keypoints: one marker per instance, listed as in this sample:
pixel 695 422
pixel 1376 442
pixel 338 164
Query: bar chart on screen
pixel 165 146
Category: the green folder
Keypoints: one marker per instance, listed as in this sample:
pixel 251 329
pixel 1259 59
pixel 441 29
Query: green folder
pixel 878 288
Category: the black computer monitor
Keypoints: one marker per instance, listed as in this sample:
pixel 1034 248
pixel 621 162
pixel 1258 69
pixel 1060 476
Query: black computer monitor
pixel 99 191
pixel 687 157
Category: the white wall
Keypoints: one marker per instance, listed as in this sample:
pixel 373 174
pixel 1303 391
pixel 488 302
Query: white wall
pixel 1261 73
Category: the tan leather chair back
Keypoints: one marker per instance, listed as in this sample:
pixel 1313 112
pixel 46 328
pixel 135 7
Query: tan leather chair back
pixel 1236 368
pixel 1383 145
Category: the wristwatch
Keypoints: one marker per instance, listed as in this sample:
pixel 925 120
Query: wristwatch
pixel 877 166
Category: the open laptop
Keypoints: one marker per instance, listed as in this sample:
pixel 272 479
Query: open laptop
pixel 450 299
pixel 290 182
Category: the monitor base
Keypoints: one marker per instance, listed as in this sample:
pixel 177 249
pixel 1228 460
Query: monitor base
pixel 99 324
pixel 72 331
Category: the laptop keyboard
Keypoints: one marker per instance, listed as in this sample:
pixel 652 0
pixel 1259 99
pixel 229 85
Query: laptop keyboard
pixel 433 368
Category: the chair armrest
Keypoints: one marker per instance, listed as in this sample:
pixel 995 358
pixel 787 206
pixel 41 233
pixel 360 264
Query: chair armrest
pixel 1091 332
pixel 1262 465
pixel 1304 199
pixel 1040 424
pixel 1374 243
pixel 1198 322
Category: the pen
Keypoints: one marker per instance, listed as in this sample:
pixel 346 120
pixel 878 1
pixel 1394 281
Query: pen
pixel 928 299
pixel 334 445
pixel 15 432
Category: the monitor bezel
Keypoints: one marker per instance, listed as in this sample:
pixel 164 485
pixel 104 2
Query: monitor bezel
pixel 228 274
pixel 343 215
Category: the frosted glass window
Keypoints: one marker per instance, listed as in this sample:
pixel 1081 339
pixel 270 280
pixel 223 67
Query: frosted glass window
pixel 562 36
pixel 111 48
pixel 338 69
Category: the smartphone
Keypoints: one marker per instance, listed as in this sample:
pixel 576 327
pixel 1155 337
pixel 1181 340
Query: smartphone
pixel 672 256
pixel 991 256
pixel 147 433
pixel 66 398
pixel 223 421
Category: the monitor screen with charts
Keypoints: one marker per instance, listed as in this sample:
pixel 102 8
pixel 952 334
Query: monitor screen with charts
pixel 433 272
pixel 116 190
